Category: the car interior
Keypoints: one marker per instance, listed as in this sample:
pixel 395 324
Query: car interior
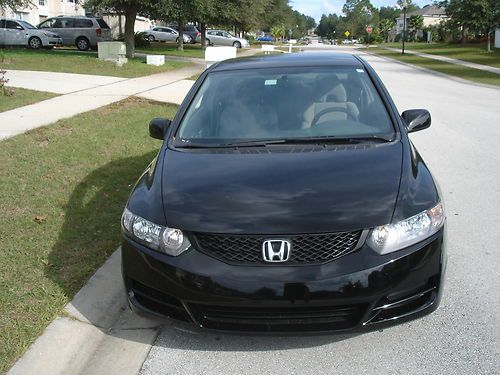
pixel 276 105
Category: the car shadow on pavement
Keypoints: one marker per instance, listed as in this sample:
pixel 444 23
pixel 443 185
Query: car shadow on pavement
pixel 182 336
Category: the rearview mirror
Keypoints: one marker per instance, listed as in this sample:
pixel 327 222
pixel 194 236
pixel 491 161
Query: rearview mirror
pixel 158 127
pixel 416 119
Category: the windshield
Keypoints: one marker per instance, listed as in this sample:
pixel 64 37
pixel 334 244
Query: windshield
pixel 285 103
pixel 26 25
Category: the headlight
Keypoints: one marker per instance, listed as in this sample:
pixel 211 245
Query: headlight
pixel 391 237
pixel 170 241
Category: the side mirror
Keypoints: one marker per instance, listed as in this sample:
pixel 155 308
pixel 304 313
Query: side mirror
pixel 158 127
pixel 416 119
pixel 19 27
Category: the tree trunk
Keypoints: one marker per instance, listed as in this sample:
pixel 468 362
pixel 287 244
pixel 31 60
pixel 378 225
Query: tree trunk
pixel 488 46
pixel 130 16
pixel 463 40
pixel 180 42
pixel 203 30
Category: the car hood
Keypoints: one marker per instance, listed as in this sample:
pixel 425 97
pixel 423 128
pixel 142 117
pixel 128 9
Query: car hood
pixel 281 191
pixel 50 34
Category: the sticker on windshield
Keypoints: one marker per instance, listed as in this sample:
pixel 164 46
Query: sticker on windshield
pixel 270 82
pixel 360 70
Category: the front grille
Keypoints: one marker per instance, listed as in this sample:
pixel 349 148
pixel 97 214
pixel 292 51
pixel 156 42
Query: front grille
pixel 278 319
pixel 305 249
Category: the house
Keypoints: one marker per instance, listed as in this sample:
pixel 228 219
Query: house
pixel 40 10
pixel 432 15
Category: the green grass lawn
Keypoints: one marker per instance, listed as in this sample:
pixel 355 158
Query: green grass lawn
pixel 470 74
pixel 70 61
pixel 62 190
pixel 475 53
pixel 22 97
pixel 170 49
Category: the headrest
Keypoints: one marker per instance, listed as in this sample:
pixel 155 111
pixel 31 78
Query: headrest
pixel 337 94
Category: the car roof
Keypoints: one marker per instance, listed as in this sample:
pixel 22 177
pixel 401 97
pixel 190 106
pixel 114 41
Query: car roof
pixel 299 59
pixel 83 17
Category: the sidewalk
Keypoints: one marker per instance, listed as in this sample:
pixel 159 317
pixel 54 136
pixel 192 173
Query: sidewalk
pixel 468 64
pixel 82 93
pixel 89 93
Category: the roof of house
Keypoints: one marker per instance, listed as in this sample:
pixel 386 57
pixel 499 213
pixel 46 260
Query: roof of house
pixel 428 10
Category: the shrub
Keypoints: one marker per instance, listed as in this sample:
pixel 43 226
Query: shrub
pixel 139 39
pixel 250 38
pixel 3 85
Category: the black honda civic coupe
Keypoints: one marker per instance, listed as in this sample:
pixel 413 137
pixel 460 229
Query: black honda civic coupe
pixel 286 196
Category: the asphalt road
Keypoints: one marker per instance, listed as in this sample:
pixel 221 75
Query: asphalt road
pixel 462 148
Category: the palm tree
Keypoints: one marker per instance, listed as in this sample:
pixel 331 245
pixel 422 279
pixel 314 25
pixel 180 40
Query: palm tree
pixel 278 31
pixel 385 27
pixel 415 23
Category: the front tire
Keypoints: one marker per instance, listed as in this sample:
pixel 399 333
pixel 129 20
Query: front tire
pixel 35 43
pixel 82 44
pixel 151 38
pixel 237 44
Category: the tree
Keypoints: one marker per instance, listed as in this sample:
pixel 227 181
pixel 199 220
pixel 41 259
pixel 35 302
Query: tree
pixel 480 15
pixel 172 10
pixel 328 25
pixel 415 23
pixel 386 26
pixel 358 15
pixel 278 31
pixel 410 7
pixel 14 4
pixel 130 8
pixel 389 13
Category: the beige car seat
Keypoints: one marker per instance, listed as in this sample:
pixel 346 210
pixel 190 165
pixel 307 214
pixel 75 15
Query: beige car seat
pixel 331 106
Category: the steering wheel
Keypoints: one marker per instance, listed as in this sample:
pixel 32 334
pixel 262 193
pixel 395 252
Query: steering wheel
pixel 328 110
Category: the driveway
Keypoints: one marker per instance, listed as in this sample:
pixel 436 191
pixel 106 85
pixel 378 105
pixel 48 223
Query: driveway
pixel 463 150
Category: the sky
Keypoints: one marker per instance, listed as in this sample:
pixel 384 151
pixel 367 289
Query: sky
pixel 315 8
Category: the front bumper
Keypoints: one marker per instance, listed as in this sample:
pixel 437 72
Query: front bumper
pixel 357 292
pixel 51 41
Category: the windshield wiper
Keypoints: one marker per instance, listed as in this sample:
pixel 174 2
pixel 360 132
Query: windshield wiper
pixel 311 140
pixel 250 143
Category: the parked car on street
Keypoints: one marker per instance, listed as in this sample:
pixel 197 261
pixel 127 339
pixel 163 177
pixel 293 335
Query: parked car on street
pixel 286 196
pixel 190 30
pixel 22 33
pixel 165 34
pixel 265 38
pixel 79 31
pixel 223 38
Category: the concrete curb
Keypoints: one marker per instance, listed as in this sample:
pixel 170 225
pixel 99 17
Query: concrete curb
pixel 98 335
pixel 430 71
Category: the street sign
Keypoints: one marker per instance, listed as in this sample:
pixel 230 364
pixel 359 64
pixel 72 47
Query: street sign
pixel 369 29
pixel 347 33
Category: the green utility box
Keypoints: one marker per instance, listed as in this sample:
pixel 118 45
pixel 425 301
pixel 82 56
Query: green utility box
pixel 112 51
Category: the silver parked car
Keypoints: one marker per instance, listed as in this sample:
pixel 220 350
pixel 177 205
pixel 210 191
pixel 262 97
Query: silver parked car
pixel 21 33
pixel 165 34
pixel 79 31
pixel 223 38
